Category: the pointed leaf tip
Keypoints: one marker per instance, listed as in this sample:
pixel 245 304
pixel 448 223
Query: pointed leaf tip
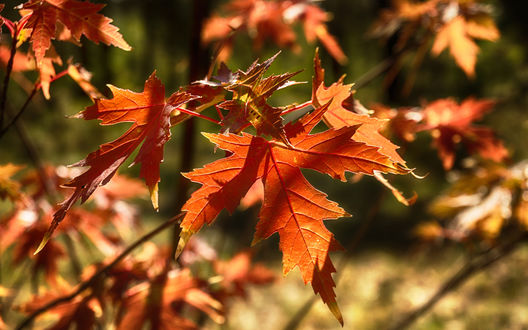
pixel 334 308
pixel 46 237
pixel 154 196
pixel 184 238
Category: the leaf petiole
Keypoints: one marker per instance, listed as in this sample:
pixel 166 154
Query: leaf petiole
pixel 196 114
pixel 297 107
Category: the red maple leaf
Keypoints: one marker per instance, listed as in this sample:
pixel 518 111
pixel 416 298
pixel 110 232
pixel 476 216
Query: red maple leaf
pixel 79 17
pixel 149 112
pixel 271 20
pixel 292 207
pixel 451 123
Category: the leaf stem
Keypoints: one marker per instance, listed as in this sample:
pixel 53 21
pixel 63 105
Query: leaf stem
pixel 199 115
pixel 10 25
pixel 102 272
pixel 21 111
pixel 297 107
pixel 7 76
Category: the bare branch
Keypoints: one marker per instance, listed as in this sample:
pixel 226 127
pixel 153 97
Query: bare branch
pixel 472 267
pixel 102 272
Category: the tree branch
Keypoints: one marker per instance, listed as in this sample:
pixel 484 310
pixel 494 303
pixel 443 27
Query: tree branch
pixel 20 112
pixel 472 267
pixel 102 272
pixel 7 76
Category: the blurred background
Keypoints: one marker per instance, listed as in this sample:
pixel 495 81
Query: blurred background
pixel 387 270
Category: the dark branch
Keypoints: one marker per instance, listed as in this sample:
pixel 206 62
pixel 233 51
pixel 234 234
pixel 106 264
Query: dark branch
pixel 7 76
pixel 472 267
pixel 20 112
pixel 102 272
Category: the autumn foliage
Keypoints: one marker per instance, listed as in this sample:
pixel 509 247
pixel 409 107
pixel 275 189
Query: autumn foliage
pixel 265 159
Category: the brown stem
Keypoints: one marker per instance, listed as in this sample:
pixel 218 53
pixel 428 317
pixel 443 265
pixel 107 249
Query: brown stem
pixel 9 68
pixel 102 272
pixel 20 112
pixel 375 72
pixel 472 267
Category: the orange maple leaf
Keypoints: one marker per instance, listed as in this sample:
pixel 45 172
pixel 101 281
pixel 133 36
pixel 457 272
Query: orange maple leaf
pixel 79 17
pixel 292 207
pixel 451 123
pixel 150 114
pixel 454 22
pixel 341 113
pixel 461 46
pixel 457 33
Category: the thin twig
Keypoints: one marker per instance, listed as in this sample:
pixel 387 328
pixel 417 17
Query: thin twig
pixel 20 112
pixel 376 71
pixel 102 272
pixel 472 267
pixel 7 76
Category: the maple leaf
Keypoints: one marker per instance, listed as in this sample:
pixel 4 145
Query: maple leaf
pixel 79 17
pixel 82 77
pixel 461 46
pixel 453 23
pixel 149 112
pixel 450 124
pixel 292 207
pixel 249 103
pixel 270 20
pixel 159 304
pixel 341 113
pixel 456 33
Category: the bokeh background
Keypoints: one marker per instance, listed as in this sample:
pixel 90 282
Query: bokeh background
pixel 387 270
